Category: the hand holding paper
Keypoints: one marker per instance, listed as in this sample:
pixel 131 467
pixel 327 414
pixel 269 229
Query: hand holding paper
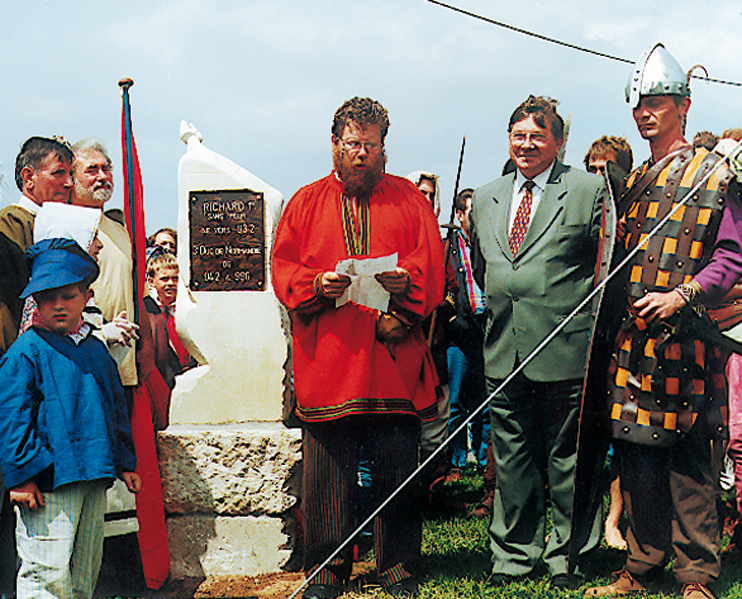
pixel 396 281
pixel 334 284
pixel 365 289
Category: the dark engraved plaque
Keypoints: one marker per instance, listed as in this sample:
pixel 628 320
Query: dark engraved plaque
pixel 227 240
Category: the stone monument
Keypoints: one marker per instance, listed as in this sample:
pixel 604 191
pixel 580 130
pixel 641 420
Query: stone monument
pixel 228 464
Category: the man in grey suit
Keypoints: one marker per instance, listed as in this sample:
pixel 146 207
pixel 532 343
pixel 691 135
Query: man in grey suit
pixel 535 244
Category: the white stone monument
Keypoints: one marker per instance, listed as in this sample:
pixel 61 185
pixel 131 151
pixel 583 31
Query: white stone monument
pixel 228 464
pixel 239 334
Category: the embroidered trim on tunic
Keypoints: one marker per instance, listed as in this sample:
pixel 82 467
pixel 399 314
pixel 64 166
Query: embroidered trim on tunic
pixel 356 225
pixel 366 406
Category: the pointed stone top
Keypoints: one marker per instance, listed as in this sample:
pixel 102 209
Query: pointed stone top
pixel 188 131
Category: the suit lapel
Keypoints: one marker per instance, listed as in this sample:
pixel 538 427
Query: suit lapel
pixel 548 208
pixel 502 195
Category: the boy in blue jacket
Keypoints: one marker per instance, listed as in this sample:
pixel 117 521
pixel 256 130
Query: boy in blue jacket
pixel 64 429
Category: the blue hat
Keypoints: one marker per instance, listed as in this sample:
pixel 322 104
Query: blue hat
pixel 58 262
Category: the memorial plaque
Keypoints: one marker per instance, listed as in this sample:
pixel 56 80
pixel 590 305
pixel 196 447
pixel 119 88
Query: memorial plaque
pixel 227 240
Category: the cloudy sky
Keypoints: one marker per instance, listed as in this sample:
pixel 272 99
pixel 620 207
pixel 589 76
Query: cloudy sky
pixel 262 79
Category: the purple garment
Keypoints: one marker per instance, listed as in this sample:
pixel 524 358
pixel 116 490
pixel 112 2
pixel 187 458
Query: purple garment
pixel 734 377
pixel 725 265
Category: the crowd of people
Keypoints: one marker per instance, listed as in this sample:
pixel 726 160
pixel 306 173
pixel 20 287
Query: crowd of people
pixel 72 364
pixel 499 311
pixel 504 314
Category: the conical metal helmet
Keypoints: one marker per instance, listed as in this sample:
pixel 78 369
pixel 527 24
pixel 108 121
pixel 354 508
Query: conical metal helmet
pixel 656 73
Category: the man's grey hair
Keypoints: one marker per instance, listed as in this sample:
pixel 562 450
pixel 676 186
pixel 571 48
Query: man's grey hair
pixel 91 143
pixel 87 196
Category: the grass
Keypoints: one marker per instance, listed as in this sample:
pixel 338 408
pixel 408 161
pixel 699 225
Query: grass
pixel 456 562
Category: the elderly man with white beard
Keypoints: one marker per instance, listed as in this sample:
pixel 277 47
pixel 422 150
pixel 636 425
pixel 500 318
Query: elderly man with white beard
pixel 114 291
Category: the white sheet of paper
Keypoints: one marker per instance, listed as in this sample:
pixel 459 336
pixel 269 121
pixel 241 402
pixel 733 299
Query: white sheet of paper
pixel 364 289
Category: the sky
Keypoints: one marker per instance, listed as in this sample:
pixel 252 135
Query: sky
pixel 262 79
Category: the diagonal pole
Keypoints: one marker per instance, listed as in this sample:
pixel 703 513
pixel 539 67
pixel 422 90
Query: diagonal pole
pixel 558 329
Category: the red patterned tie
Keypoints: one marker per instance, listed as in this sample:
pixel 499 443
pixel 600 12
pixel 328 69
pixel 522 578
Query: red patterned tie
pixel 522 218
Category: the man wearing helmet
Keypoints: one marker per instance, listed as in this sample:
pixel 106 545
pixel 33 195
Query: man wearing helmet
pixel 667 393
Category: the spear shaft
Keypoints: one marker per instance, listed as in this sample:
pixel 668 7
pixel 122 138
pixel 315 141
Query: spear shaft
pixel 451 226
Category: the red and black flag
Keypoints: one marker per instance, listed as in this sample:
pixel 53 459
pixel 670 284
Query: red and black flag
pixel 133 200
pixel 151 391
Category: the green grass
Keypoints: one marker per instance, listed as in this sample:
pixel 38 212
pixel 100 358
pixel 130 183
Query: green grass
pixel 456 562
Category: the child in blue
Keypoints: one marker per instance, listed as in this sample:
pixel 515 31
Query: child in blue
pixel 64 429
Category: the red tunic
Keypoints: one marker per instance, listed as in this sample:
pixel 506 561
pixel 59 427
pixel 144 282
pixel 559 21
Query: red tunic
pixel 339 366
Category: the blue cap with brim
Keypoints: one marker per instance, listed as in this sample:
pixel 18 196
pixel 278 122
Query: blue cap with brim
pixel 56 263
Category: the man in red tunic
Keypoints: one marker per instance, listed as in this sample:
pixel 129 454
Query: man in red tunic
pixel 363 377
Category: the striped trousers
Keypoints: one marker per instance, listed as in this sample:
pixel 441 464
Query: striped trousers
pixel 330 501
pixel 61 544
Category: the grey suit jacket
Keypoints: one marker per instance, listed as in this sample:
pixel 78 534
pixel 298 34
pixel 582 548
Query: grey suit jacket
pixel 527 297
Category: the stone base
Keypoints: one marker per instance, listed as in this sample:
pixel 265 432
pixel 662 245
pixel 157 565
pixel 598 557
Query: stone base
pixel 229 493
pixel 202 545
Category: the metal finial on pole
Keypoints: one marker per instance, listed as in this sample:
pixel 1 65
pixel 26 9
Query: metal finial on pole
pixel 126 83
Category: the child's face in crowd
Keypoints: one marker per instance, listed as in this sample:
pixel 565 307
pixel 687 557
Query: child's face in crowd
pixel 167 241
pixel 165 283
pixel 61 308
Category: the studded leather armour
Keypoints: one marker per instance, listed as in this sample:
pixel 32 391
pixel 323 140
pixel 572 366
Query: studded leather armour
pixel 685 243
pixel 664 378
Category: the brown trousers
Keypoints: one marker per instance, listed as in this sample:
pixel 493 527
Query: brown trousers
pixel 670 499
pixel 330 501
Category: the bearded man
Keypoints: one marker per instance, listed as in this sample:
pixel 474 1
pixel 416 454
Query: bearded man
pixel 114 295
pixel 114 288
pixel 363 377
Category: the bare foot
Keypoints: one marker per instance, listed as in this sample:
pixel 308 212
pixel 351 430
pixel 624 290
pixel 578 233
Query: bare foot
pixel 614 538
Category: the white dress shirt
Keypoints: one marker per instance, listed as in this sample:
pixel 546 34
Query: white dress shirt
pixel 539 185
pixel 28 204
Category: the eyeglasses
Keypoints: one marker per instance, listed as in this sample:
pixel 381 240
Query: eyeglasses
pixel 354 146
pixel 521 138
